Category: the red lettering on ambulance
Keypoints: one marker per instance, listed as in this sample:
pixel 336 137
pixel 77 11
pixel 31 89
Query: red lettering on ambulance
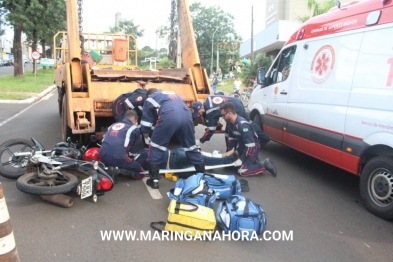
pixel 390 75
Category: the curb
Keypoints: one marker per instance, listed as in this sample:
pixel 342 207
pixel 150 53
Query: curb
pixel 31 99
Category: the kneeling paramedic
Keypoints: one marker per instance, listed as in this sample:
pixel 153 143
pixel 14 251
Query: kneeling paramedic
pixel 131 100
pixel 172 117
pixel 243 138
pixel 210 109
pixel 121 143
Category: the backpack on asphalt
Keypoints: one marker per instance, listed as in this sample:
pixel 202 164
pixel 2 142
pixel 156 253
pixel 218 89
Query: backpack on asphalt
pixel 224 185
pixel 241 216
pixel 194 189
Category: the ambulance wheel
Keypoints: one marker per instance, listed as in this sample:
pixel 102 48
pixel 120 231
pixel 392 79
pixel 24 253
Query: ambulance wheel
pixel 376 186
pixel 32 183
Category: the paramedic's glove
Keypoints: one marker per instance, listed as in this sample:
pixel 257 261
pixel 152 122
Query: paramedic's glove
pixel 198 142
pixel 147 141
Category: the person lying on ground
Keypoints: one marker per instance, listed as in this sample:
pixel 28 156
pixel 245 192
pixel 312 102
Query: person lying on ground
pixel 177 159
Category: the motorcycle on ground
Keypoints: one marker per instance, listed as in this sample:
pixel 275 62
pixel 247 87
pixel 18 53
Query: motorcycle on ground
pixel 68 167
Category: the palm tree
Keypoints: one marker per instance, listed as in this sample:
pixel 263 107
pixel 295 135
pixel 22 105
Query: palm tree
pixel 251 71
pixel 317 8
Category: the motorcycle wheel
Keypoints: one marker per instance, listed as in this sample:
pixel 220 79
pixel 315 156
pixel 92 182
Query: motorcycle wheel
pixel 245 100
pixel 235 95
pixel 12 166
pixel 31 183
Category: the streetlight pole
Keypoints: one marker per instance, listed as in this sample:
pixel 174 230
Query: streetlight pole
pixel 211 63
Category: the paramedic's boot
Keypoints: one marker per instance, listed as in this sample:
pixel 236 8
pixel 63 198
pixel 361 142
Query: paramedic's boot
pixel 200 168
pixel 268 164
pixel 154 170
pixel 113 171
pixel 234 156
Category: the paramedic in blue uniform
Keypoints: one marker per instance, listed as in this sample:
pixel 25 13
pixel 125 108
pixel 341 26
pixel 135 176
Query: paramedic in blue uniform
pixel 131 100
pixel 210 109
pixel 171 117
pixel 121 144
pixel 243 138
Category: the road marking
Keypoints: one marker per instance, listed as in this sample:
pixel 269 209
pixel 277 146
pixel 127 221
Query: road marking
pixel 21 112
pixel 155 194
pixel 14 116
pixel 47 96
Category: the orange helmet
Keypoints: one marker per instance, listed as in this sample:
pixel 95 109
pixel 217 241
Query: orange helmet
pixel 92 154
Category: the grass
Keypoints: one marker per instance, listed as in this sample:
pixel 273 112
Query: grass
pixel 13 88
pixel 9 96
pixel 226 85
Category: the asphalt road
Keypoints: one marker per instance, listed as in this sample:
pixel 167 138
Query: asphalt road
pixel 9 70
pixel 318 203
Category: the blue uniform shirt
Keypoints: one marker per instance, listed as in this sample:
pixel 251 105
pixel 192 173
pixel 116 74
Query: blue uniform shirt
pixel 242 136
pixel 154 104
pixel 212 109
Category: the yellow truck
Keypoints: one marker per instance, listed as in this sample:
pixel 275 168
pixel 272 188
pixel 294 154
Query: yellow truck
pixel 93 69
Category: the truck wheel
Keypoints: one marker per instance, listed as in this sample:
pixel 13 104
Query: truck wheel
pixel 65 129
pixel 12 166
pixel 60 100
pixel 376 186
pixel 31 183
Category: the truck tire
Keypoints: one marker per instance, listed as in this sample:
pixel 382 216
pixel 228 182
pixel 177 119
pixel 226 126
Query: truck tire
pixel 376 186
pixel 12 166
pixel 60 96
pixel 31 183
pixel 65 129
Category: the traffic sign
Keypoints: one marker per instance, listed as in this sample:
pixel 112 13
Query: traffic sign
pixel 35 55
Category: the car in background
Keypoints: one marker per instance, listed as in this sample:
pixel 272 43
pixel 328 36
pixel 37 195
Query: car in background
pixel 8 62
pixel 2 62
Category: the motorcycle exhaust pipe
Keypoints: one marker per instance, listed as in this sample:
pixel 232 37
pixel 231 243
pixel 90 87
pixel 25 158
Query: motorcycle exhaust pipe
pixel 59 199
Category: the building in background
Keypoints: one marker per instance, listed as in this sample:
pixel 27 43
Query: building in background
pixel 282 19
pixel 5 48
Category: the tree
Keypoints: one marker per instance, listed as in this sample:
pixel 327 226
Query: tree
pixel 207 20
pixel 38 19
pixel 260 61
pixel 128 27
pixel 16 16
pixel 317 8
pixel 2 21
pixel 46 18
pixel 162 32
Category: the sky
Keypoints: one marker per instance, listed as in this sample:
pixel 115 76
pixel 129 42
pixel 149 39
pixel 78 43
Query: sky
pixel 99 15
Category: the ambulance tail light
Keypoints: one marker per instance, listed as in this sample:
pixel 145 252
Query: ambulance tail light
pixel 300 34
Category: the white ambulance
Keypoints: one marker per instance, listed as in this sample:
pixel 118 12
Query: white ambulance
pixel 329 94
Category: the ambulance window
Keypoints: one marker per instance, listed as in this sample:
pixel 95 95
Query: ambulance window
pixel 282 66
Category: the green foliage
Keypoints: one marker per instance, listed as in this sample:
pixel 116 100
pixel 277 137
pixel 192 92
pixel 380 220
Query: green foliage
pixel 166 63
pixel 28 83
pixel 127 27
pixel 38 19
pixel 317 8
pixel 206 21
pixel 46 18
pixel 251 71
pixel 145 52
